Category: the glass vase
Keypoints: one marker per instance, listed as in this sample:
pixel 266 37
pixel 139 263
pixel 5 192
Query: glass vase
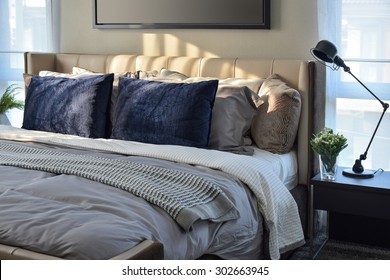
pixel 328 167
pixel 4 119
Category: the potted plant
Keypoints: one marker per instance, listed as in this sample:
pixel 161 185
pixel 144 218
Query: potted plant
pixel 8 101
pixel 328 145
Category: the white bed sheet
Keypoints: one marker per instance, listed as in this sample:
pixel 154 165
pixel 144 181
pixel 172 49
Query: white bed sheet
pixel 285 166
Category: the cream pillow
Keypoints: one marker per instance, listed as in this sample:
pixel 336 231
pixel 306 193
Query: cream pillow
pixel 172 75
pixel 275 125
pixel 252 84
pixel 45 73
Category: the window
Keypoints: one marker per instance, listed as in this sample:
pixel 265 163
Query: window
pixel 25 25
pixel 361 31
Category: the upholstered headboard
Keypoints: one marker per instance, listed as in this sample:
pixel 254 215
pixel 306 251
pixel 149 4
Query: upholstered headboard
pixel 308 77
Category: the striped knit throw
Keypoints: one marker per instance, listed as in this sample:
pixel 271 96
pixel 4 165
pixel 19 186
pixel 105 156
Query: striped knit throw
pixel 184 196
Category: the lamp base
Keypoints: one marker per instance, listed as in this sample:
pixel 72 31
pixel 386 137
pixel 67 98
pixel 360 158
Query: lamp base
pixel 366 174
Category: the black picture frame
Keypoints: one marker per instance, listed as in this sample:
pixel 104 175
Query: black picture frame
pixel 182 14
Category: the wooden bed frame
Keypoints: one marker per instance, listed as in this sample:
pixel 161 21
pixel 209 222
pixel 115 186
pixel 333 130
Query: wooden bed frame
pixel 308 77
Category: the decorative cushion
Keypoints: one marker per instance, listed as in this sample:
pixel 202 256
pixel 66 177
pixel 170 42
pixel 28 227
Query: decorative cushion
pixel 164 113
pixel 68 106
pixel 233 111
pixel 275 126
pixel 79 72
pixel 235 106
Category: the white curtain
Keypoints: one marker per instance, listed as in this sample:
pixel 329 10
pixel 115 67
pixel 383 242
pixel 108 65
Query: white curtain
pixel 25 25
pixel 361 31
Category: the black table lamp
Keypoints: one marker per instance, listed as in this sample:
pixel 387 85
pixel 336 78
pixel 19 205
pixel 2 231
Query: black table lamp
pixel 325 51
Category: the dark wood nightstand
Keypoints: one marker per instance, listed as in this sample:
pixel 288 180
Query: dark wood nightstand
pixel 358 209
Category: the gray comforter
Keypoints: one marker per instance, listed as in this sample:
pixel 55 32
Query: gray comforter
pixel 76 218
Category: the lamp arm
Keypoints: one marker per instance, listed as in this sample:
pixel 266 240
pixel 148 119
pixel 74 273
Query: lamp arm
pixel 358 167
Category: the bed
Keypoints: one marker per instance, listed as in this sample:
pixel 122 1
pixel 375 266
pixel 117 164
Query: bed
pixel 113 183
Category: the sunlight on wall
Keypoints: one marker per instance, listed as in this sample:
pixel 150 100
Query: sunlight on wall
pixel 171 45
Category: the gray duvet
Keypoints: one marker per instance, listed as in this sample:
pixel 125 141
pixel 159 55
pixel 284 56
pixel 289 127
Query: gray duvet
pixel 76 218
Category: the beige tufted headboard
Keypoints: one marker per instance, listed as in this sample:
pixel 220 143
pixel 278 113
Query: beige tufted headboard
pixel 308 77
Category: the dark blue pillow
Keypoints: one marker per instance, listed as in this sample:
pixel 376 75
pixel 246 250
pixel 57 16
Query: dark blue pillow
pixel 69 106
pixel 164 113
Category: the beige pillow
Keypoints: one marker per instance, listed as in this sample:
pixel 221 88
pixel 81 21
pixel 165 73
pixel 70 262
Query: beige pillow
pixel 275 125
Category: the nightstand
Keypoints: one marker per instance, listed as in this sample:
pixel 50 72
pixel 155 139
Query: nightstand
pixel 358 209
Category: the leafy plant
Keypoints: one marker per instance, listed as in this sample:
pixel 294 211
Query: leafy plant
pixel 8 100
pixel 328 145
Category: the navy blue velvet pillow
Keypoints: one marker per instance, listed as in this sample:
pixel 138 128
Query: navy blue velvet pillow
pixel 164 113
pixel 69 106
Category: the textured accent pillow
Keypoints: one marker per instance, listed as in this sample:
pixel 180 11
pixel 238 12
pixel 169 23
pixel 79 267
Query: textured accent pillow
pixel 69 106
pixel 233 112
pixel 235 105
pixel 80 72
pixel 164 113
pixel 275 126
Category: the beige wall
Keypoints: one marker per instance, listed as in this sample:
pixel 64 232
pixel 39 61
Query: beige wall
pixel 293 32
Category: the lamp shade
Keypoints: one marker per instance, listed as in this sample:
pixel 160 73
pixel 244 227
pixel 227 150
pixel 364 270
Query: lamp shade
pixel 325 51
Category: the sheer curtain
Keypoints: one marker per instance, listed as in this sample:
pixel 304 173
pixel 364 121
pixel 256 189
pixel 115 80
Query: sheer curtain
pixel 361 31
pixel 25 25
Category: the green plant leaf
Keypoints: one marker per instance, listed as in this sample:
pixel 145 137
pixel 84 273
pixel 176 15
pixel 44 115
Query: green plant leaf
pixel 8 99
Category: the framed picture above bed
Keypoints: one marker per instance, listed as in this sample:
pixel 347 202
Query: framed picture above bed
pixel 210 14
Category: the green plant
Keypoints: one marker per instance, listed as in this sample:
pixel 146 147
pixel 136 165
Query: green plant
pixel 328 145
pixel 8 100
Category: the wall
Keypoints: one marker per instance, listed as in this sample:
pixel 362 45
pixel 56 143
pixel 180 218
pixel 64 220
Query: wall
pixel 293 32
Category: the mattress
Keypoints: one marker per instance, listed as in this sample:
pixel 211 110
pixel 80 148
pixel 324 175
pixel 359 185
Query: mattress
pixel 285 165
